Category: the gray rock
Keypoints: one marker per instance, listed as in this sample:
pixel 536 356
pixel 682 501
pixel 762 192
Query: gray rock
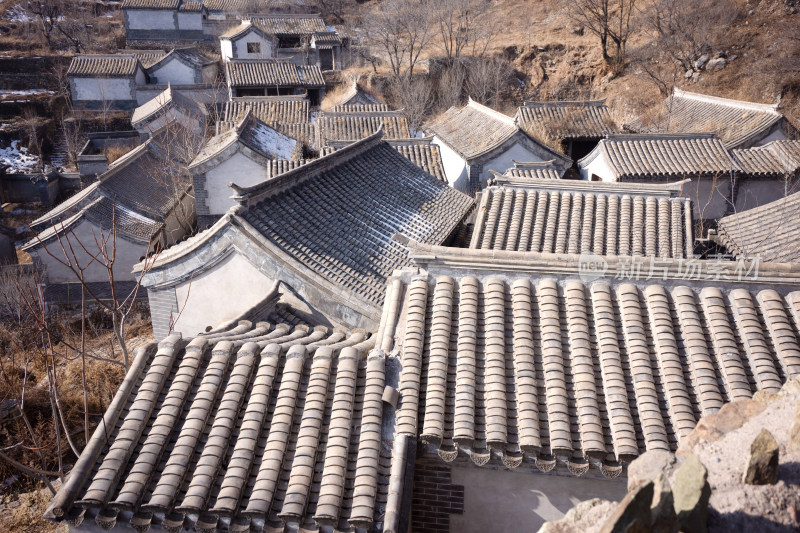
pixel 691 493
pixel 577 30
pixel 688 74
pixel 662 510
pixel 716 64
pixel 633 512
pixel 762 464
pixel 794 431
pixel 648 466
pixel 701 61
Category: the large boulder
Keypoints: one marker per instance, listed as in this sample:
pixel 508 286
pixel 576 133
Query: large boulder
pixel 794 431
pixel 762 464
pixel 633 512
pixel 712 428
pixel 691 493
pixel 662 509
pixel 648 466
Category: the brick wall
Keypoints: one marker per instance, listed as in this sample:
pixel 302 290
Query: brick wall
pixel 434 497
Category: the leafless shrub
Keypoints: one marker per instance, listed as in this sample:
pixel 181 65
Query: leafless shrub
pixel 451 85
pixel 414 96
pixel 489 79
pixel 401 29
pixel 611 21
pixel 465 27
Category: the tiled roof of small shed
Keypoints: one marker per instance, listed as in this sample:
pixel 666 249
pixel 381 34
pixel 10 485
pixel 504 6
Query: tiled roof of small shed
pixel 676 155
pixel 770 231
pixel 260 73
pixel 337 215
pixel 574 217
pixel 150 4
pixel 269 109
pixel 532 170
pixel 291 24
pixel 734 121
pixel 353 125
pixel 567 120
pixel 103 66
pixel 298 410
pixel 538 369
pixel 774 158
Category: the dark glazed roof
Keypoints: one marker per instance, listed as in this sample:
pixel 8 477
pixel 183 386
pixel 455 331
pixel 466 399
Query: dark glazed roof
pixel 574 217
pixel 269 423
pixel 337 215
pixel 567 120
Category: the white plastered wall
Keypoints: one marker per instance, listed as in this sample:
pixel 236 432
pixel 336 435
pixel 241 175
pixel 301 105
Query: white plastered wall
pixel 252 37
pixel 175 72
pixel 190 21
pixel 455 168
pixel 102 89
pixel 505 160
pixel 144 19
pixel 238 169
pixel 206 299
pixel 599 167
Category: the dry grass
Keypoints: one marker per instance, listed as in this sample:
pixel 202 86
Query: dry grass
pixel 115 152
pixel 24 514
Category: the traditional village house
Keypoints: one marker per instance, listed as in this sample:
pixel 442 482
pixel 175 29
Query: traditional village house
pixel 490 373
pixel 288 114
pixel 324 229
pixel 104 147
pixel 137 197
pixel 170 107
pixel 578 126
pixel 162 20
pixel 242 154
pixel 253 77
pixel 105 82
pixel 247 41
pixel 573 217
pixel 304 39
pixel 659 158
pixel 475 139
pixel 183 66
pixel 738 124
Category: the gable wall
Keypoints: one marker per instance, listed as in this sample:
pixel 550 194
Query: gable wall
pixel 240 47
pixel 175 72
pixel 505 160
pixel 599 167
pixel 239 169
pixel 455 168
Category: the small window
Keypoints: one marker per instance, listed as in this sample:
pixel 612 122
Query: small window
pixel 253 48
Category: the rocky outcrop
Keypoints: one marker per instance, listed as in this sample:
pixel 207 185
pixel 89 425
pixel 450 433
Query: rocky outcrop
pixel 704 479
pixel 762 464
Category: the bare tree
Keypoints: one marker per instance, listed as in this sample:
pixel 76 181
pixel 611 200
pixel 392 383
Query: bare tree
pixel 466 27
pixel 402 30
pixel 62 17
pixel 414 96
pixel 489 79
pixel 451 85
pixel 610 20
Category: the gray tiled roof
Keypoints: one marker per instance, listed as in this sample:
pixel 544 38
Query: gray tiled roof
pixel 291 24
pixel 269 73
pixel 164 101
pixel 734 121
pixel 103 66
pixel 360 108
pixel 423 153
pixel 574 217
pixel 539 369
pixel 776 157
pixel 534 169
pixel 771 231
pixel 337 215
pixel 227 6
pixel 269 109
pixel 567 120
pixel 670 155
pixel 235 32
pixel 353 124
pixel 150 4
pixel 472 130
pixel 147 58
pixel 264 423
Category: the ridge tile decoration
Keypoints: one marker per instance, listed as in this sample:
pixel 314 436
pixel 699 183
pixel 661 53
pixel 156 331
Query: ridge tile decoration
pixel 769 232
pixel 258 427
pixel 739 124
pixel 577 217
pixel 340 222
pixel 591 374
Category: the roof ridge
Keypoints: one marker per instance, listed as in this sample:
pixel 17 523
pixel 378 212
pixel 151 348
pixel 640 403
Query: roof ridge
pixel 563 103
pixel 768 108
pixel 491 112
pixel 247 196
pixel 657 136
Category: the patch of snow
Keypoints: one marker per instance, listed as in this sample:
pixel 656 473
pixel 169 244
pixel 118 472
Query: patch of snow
pixel 19 95
pixel 17 13
pixel 273 142
pixel 18 159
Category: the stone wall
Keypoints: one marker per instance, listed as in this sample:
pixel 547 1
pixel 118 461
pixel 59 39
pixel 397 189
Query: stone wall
pixel 435 498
